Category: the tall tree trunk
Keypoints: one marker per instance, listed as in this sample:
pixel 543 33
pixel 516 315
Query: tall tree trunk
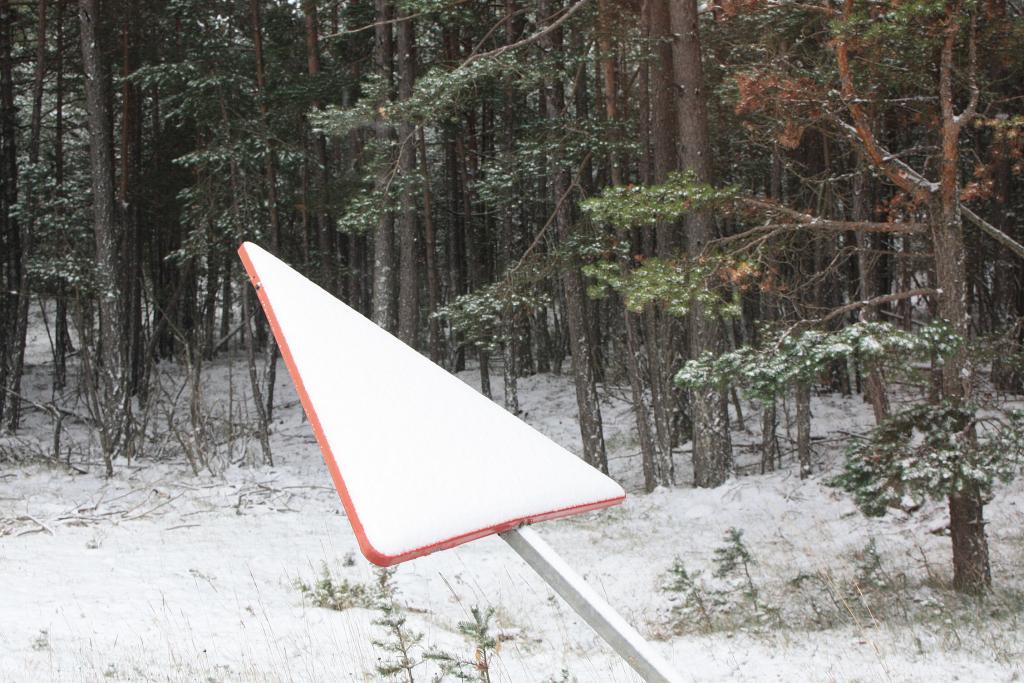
pixel 25 226
pixel 131 168
pixel 803 427
pixel 37 82
pixel 663 241
pixel 971 569
pixel 455 252
pixel 507 239
pixel 325 230
pixel 262 419
pixel 712 443
pixel 270 161
pixel 875 391
pixel 1008 285
pixel 430 248
pixel 101 163
pixel 769 435
pixel 771 455
pixel 10 231
pixel 408 253
pixel 226 297
pixel 630 321
pixel 270 165
pixel 972 572
pixel 572 281
pixel 384 289
pixel 209 310
pixel 62 336
pixel 472 239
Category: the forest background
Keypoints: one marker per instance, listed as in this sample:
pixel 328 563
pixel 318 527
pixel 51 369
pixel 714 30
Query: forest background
pixel 717 207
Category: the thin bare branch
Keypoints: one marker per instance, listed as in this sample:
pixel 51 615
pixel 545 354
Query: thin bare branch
pixel 387 22
pixel 993 232
pixel 878 301
pixel 807 221
pixel 548 28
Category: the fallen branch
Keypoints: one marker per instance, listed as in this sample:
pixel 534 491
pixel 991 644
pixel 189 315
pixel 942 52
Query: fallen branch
pixel 30 518
pixel 52 409
pixel 154 508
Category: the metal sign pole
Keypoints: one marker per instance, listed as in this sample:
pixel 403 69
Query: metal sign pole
pixel 608 624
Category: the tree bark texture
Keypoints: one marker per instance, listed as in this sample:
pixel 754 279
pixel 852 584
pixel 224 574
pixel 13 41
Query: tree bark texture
pixel 408 285
pixel 572 281
pixel 712 443
pixel 384 284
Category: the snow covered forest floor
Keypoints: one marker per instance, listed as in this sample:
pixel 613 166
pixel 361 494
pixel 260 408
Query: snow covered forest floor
pixel 161 575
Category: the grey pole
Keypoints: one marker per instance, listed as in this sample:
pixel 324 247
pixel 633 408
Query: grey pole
pixel 608 624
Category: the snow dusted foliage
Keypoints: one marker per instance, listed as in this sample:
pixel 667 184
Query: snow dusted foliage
pixel 766 371
pixel 484 317
pixel 639 206
pixel 932 451
pixel 673 284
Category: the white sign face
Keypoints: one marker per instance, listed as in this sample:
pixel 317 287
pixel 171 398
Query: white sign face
pixel 421 460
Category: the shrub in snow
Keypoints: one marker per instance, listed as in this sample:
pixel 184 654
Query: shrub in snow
pixel 485 317
pixel 825 598
pixel 766 371
pixel 932 451
pixel 635 206
pixel 696 601
pixel 734 559
pixel 329 593
pixel 400 644
pixel 485 647
pixel 719 606
pixel 940 450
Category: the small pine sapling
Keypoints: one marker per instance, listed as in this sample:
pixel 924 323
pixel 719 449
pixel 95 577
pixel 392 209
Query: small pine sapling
pixel 692 592
pixel 873 580
pixel 328 593
pixel 400 643
pixel 563 677
pixel 810 587
pixel 478 632
pixel 871 573
pixel 735 556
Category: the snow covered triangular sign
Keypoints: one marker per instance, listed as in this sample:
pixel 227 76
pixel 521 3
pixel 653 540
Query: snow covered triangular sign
pixel 421 460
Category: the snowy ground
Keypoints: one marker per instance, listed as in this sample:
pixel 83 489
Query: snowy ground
pixel 159 575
